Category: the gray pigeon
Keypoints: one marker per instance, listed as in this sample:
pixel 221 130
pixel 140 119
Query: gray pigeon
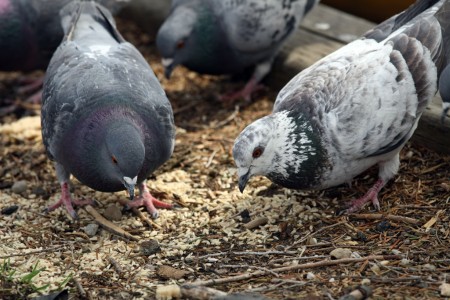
pixel 227 37
pixel 355 108
pixel 105 117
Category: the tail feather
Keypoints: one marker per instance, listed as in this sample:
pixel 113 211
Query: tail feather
pixel 386 28
pixel 72 13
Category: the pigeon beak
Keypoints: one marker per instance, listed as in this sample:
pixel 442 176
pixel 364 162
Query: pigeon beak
pixel 129 185
pixel 243 181
pixel 168 66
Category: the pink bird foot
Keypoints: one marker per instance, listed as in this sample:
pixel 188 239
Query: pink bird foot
pixel 370 196
pixel 246 93
pixel 68 202
pixel 148 201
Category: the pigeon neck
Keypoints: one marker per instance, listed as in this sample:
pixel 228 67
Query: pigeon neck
pixel 300 156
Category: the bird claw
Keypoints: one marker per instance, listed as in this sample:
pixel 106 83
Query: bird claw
pixel 150 203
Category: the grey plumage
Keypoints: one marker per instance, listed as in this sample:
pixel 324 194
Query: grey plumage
pixel 105 117
pixel 226 36
pixel 355 108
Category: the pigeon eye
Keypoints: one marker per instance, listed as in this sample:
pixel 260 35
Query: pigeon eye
pixel 114 159
pixel 180 44
pixel 257 152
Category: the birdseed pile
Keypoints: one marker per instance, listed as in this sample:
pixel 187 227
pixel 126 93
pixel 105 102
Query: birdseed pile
pixel 269 241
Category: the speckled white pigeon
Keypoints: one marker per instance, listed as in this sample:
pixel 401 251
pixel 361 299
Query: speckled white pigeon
pixel 227 36
pixel 105 116
pixel 353 109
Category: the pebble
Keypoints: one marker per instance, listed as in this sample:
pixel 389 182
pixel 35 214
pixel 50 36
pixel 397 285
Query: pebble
pixel 429 267
pixel 310 276
pixel 445 289
pixel 150 247
pixel 91 229
pixel 9 210
pixel 19 187
pixel 113 213
pixel 405 262
pixel 339 253
pixel 365 281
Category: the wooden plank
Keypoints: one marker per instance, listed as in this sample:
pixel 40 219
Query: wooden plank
pixel 335 24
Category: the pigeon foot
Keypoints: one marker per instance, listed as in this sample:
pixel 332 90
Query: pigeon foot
pixel 370 196
pixel 246 93
pixel 149 202
pixel 68 202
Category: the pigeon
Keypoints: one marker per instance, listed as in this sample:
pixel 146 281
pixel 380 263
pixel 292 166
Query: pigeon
pixel 353 109
pixel 228 37
pixel 105 117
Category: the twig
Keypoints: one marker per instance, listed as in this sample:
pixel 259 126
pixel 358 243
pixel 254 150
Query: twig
pixel 227 120
pixel 314 233
pixel 184 108
pixel 117 267
pixel 80 289
pixel 35 252
pixel 208 163
pixel 429 170
pixel 111 227
pixel 141 216
pixel 387 217
pixel 256 223
pixel 322 263
pixel 248 266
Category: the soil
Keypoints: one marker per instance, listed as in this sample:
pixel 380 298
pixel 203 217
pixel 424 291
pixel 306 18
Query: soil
pixel 207 237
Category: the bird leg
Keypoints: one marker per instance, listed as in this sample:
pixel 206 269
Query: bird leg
pixel 252 86
pixel 147 200
pixel 67 201
pixel 371 195
pixel 31 86
pixel 245 93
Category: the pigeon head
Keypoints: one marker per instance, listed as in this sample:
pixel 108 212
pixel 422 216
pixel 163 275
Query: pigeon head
pixel 124 155
pixel 105 154
pixel 175 37
pixel 278 147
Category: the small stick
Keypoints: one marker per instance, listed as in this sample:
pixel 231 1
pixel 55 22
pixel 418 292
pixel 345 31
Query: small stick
pixel 256 223
pixel 314 233
pixel 141 216
pixel 117 267
pixel 227 120
pixel 111 227
pixel 322 263
pixel 34 252
pixel 80 289
pixel 387 217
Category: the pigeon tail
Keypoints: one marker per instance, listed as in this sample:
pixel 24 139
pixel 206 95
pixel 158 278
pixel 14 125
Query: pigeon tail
pixel 80 16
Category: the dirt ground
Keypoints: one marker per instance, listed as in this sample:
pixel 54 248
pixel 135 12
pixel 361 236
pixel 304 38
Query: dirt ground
pixel 401 252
